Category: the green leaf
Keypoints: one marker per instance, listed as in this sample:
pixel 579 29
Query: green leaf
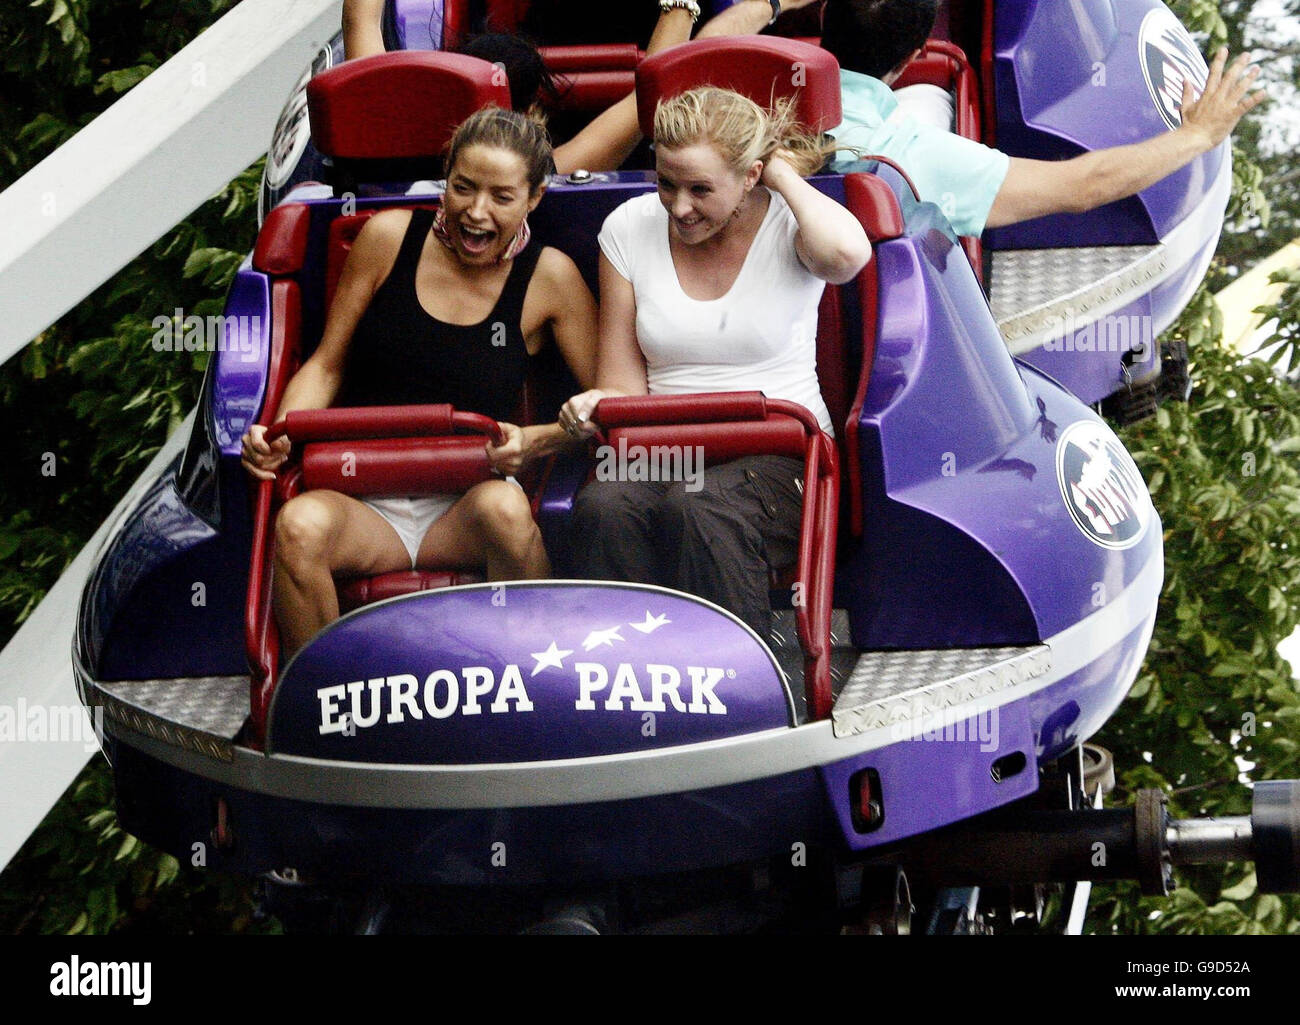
pixel 123 79
pixel 1242 890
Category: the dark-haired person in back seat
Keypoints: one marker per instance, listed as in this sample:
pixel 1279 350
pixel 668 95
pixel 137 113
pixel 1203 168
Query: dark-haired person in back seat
pixel 980 187
pixel 611 137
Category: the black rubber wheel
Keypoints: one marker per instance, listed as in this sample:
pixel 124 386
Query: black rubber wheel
pixel 1275 832
pixel 887 902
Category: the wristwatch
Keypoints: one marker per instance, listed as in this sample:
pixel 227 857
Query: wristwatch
pixel 776 10
pixel 690 6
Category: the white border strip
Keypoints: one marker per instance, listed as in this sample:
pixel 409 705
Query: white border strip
pixel 37 667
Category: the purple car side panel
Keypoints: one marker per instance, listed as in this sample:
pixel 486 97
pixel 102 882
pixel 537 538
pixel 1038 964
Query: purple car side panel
pixel 951 770
pixel 525 672
pixel 1070 78
pixel 239 373
pixel 951 429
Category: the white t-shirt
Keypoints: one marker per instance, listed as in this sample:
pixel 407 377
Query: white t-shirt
pixel 760 336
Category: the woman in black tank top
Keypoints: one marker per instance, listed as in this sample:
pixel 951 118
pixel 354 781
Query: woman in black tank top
pixel 435 309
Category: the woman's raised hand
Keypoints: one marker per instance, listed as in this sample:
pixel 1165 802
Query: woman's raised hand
pixel 260 457
pixel 778 168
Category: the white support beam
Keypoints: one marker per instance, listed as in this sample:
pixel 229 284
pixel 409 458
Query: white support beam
pixel 38 697
pixel 144 164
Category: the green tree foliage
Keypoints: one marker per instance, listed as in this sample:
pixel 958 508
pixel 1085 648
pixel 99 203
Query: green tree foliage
pixel 81 874
pixel 92 401
pixel 1265 214
pixel 89 401
pixel 1215 704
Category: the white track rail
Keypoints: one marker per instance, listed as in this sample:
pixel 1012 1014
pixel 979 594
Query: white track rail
pixel 36 681
pixel 144 164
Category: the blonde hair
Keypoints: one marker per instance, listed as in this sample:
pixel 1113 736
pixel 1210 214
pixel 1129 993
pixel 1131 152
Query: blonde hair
pixel 741 130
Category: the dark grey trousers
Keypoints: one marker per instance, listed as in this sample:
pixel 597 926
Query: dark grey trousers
pixel 717 542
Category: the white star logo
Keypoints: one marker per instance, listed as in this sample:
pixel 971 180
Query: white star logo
pixel 651 623
pixel 599 637
pixel 552 657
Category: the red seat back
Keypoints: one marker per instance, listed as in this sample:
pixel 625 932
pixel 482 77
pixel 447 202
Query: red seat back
pixel 358 591
pixel 399 105
pixel 761 67
pixel 943 64
pixel 592 78
pixel 343 232
pixel 930 68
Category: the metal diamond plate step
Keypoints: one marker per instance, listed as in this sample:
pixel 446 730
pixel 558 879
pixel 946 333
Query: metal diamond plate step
pixel 891 687
pixel 200 713
pixel 784 642
pixel 1034 290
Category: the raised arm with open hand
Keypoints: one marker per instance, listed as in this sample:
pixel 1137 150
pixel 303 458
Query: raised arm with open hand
pixel 1036 188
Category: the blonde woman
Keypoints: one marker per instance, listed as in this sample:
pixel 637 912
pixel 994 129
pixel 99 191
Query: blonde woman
pixel 713 284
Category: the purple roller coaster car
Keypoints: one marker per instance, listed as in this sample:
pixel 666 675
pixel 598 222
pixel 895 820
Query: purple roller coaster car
pixel 989 593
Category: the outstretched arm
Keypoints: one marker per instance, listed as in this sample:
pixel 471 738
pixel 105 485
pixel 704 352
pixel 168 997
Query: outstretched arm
pixel 610 138
pixel 746 18
pixel 1036 188
pixel 620 366
pixel 362 36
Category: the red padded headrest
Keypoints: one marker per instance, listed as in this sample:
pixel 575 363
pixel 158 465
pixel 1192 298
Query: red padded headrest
pixel 282 243
pixel 401 104
pixel 764 68
pixel 875 206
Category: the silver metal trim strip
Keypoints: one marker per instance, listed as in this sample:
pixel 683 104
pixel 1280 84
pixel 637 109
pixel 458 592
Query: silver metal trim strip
pixel 637 774
pixel 1205 220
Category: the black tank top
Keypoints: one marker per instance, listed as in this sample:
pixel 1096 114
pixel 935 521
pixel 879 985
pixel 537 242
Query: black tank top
pixel 401 355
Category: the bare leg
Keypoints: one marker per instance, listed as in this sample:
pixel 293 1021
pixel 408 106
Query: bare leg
pixel 317 535
pixel 490 525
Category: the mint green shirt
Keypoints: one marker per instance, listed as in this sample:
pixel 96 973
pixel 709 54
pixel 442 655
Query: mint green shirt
pixel 960 176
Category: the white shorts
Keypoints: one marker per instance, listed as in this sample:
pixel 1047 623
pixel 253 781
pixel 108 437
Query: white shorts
pixel 412 517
